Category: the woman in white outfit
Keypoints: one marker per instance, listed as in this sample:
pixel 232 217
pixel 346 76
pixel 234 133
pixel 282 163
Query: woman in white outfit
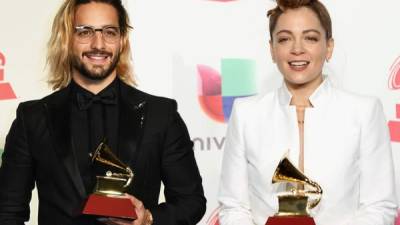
pixel 337 138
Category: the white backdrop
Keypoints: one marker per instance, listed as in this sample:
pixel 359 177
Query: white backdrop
pixel 192 50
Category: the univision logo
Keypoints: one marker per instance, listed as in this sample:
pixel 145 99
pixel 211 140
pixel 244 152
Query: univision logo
pixel 217 91
pixel 394 84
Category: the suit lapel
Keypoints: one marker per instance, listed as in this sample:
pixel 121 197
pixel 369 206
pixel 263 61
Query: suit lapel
pixel 131 122
pixel 58 114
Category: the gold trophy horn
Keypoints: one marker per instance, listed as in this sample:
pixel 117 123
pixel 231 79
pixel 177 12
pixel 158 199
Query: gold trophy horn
pixel 295 202
pixel 117 177
pixel 113 179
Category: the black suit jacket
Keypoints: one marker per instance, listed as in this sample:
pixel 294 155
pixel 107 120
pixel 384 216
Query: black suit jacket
pixel 153 141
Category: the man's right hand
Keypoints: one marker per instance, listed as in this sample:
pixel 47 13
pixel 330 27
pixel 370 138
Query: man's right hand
pixel 144 216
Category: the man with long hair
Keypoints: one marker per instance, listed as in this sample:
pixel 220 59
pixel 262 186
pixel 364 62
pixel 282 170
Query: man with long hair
pixel 51 140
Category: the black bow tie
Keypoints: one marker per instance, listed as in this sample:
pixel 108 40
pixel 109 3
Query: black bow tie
pixel 85 99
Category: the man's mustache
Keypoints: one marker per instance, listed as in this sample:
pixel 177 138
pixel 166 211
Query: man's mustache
pixel 98 53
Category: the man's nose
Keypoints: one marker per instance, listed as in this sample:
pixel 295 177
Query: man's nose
pixel 98 41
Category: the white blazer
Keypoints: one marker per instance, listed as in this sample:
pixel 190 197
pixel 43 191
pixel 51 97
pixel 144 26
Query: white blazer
pixel 346 147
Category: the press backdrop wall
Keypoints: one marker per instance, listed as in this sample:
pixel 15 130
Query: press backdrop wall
pixel 206 53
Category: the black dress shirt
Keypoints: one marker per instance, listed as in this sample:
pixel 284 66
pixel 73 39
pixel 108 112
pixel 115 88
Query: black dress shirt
pixel 94 118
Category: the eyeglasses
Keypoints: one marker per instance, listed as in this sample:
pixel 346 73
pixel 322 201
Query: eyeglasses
pixel 85 33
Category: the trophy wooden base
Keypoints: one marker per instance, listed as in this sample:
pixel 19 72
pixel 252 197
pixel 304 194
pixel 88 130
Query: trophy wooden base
pixel 290 220
pixel 110 206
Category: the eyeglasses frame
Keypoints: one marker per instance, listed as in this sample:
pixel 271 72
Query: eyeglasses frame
pixel 101 30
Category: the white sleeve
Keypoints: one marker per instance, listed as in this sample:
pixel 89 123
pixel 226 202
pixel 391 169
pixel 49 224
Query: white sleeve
pixel 233 191
pixel 377 185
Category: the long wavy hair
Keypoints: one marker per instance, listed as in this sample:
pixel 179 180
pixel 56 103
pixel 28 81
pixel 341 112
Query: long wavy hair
pixel 59 55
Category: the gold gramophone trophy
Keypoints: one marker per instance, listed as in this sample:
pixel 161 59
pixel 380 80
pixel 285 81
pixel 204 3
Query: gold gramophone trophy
pixel 108 199
pixel 294 205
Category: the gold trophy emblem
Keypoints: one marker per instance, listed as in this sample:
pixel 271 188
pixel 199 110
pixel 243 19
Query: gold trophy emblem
pixel 295 204
pixel 108 198
pixel 117 178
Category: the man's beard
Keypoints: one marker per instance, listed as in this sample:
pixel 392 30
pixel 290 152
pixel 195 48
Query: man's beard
pixel 95 75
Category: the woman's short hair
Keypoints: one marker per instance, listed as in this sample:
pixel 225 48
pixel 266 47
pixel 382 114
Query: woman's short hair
pixel 316 6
